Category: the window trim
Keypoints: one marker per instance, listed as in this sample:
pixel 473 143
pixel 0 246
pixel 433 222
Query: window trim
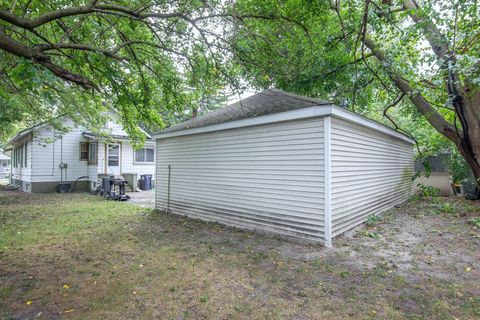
pixel 25 157
pixel 93 162
pixel 82 143
pixel 21 154
pixel 145 154
pixel 108 154
pixel 14 157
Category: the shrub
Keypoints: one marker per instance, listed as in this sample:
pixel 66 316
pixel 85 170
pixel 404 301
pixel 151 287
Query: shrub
pixel 447 207
pixel 458 168
pixel 372 220
pixel 427 191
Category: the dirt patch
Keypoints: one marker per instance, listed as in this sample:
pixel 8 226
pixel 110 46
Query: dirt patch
pixel 76 256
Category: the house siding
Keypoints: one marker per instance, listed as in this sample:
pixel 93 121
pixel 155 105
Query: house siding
pixel 267 177
pixel 48 155
pixel 370 173
pixel 47 149
pixel 128 164
pixel 22 175
pixel 128 160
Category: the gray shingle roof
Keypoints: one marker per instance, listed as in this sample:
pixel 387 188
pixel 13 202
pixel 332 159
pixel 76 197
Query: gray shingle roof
pixel 266 102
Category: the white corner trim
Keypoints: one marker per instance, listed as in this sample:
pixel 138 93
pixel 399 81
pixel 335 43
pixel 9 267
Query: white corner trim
pixel 311 112
pixel 327 128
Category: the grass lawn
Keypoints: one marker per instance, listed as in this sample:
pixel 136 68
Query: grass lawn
pixel 75 256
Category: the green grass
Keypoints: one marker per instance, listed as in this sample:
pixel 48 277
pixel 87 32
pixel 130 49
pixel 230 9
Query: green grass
pixel 76 256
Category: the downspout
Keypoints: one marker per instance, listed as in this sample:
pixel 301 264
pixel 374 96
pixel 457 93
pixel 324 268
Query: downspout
pixel 61 159
pixel 11 166
pixel 53 157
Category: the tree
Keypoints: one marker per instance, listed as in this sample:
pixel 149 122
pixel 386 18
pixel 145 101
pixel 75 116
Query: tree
pixel 77 58
pixel 420 56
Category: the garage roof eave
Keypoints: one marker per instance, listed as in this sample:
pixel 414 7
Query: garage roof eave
pixel 310 112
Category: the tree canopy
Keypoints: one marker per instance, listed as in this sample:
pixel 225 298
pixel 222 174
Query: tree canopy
pixel 144 59
pixel 414 65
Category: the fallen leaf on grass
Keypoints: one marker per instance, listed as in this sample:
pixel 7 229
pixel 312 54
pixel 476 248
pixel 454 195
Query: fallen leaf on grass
pixel 66 286
pixel 29 302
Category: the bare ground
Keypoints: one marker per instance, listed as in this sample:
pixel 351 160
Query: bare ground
pixel 76 256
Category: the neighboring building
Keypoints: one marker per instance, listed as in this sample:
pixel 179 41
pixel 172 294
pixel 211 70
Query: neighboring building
pixel 283 163
pixel 42 157
pixel 4 165
pixel 439 176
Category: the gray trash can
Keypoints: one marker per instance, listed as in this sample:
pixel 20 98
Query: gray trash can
pixel 146 182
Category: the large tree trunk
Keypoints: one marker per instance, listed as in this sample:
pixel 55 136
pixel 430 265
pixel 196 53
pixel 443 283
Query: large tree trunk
pixel 464 95
pixel 469 115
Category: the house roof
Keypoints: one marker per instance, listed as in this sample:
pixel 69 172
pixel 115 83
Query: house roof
pixel 25 132
pixel 3 156
pixel 269 101
pixel 93 135
pixel 270 106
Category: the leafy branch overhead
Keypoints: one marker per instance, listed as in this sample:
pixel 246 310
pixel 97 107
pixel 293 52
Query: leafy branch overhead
pixel 142 58
pixel 412 64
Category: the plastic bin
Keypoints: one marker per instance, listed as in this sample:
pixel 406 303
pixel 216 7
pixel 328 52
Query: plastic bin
pixel 146 182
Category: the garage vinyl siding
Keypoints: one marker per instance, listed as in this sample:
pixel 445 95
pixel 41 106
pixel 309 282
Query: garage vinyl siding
pixel 267 177
pixel 370 173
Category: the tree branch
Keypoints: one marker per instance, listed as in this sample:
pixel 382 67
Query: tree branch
pixel 422 105
pixel 14 47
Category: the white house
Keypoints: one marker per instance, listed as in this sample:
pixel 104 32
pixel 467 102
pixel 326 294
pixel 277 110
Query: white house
pixel 42 157
pixel 4 165
pixel 283 163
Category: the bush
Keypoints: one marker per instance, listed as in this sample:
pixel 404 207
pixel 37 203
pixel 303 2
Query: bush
pixel 372 220
pixel 447 207
pixel 427 191
pixel 458 168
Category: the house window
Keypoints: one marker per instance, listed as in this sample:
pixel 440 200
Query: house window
pixel 16 157
pixel 113 155
pixel 144 155
pixel 88 152
pixel 84 151
pixel 92 153
pixel 25 156
pixel 21 155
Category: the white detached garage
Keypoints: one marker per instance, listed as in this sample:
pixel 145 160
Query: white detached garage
pixel 283 163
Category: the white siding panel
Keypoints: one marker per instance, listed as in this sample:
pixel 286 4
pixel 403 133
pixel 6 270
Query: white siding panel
pixel 49 152
pixel 128 157
pixel 101 158
pixel 371 172
pixel 22 172
pixel 267 177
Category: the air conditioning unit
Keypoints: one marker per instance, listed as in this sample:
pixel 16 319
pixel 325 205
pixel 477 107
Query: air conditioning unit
pixel 64 187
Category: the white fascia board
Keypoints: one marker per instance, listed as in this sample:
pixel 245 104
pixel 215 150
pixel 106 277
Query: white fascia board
pixel 145 132
pixel 365 122
pixel 311 112
pixel 86 135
